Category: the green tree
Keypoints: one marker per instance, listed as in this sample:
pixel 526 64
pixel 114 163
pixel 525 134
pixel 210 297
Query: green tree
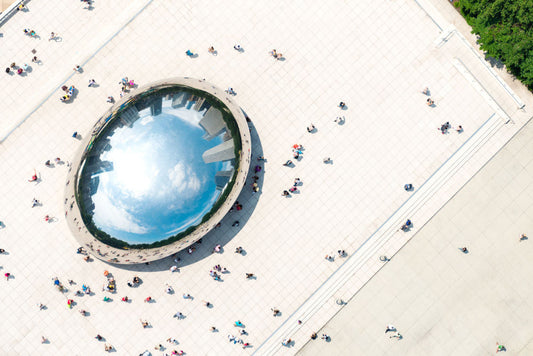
pixel 505 30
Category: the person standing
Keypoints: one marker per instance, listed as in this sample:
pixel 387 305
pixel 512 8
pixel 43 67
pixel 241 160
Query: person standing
pixel 390 327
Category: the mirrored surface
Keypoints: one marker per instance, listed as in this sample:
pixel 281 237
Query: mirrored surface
pixel 157 168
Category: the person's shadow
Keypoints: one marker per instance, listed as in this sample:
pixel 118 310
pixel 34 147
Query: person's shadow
pixel 89 6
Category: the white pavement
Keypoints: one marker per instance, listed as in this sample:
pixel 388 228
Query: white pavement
pixel 443 301
pixel 376 56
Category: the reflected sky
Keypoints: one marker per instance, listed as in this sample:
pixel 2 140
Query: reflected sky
pixel 148 179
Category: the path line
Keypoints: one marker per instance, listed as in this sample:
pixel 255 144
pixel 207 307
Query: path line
pixel 51 92
pixel 381 236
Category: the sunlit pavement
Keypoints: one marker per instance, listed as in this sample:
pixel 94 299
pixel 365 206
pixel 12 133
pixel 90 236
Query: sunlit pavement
pixel 375 56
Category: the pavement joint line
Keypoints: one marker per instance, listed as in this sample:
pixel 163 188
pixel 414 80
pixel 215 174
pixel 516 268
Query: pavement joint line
pixel 424 8
pixel 83 63
pixel 268 140
pixel 367 251
pixel 381 236
pixel 444 37
pixel 461 68
pixel 467 151
pixel 491 71
pixel 449 29
pixel 498 124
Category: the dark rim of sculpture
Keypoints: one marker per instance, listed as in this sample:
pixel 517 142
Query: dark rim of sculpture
pixel 216 109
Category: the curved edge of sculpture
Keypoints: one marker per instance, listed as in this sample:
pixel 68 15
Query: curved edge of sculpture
pixel 119 252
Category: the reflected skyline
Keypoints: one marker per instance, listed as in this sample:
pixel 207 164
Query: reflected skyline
pixel 157 168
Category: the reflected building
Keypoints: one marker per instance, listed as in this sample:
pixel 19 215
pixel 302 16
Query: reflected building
pixel 158 172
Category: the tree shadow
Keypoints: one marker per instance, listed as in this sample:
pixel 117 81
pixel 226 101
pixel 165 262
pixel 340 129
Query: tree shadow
pixel 494 62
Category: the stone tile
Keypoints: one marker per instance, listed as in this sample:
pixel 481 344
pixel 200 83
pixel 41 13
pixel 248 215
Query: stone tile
pixel 389 138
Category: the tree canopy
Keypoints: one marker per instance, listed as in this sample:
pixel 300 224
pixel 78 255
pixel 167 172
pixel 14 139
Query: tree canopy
pixel 505 32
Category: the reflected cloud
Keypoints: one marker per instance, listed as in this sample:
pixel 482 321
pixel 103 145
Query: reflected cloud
pixel 189 117
pixel 147 177
pixel 115 217
pixel 195 219
pixel 147 120
pixel 184 179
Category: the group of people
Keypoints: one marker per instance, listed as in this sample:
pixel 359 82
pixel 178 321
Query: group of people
pixel 447 126
pixel 293 189
pixel 110 284
pixel 30 33
pixel 126 84
pixel 24 68
pixel 69 92
pixel 255 178
pixel 134 282
pixel 16 69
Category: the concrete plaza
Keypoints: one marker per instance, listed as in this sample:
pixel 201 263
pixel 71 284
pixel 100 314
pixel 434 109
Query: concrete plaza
pixel 376 56
pixel 441 300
